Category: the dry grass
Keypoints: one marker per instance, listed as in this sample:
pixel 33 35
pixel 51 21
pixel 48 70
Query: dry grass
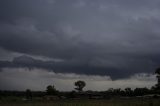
pixel 113 102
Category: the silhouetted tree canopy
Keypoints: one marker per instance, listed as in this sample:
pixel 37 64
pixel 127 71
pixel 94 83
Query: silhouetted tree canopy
pixel 28 94
pixel 157 71
pixel 51 90
pixel 80 85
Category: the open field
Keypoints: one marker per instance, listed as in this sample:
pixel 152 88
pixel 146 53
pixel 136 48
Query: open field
pixel 112 102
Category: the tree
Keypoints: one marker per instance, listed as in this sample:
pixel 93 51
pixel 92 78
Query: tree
pixel 51 90
pixel 157 86
pixel 157 71
pixel 80 85
pixel 117 91
pixel 28 94
pixel 141 91
pixel 128 91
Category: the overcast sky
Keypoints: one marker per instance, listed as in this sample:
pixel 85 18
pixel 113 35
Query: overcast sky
pixel 115 40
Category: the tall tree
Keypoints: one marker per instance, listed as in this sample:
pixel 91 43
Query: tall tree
pixel 51 90
pixel 128 91
pixel 157 71
pixel 80 85
pixel 28 94
pixel 158 77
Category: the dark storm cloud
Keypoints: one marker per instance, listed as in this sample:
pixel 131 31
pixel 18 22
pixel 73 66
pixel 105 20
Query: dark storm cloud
pixel 60 66
pixel 106 37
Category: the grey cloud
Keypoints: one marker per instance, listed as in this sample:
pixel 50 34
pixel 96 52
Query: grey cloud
pixel 62 66
pixel 105 37
pixel 20 79
pixel 112 67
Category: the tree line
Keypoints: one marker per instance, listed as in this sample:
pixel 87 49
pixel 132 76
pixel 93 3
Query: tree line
pixel 78 91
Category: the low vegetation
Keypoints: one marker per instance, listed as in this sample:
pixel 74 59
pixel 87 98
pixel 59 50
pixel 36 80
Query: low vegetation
pixel 110 97
pixel 111 102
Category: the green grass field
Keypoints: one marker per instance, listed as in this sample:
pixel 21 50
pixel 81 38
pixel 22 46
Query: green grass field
pixel 112 102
